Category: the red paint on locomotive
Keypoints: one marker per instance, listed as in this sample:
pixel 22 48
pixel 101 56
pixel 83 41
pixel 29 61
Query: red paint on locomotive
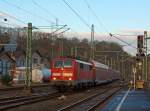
pixel 73 72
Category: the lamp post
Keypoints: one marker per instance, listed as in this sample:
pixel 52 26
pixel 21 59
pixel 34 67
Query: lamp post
pixel 134 72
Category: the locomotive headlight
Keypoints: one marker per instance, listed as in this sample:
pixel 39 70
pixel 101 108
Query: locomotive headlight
pixel 70 79
pixel 54 78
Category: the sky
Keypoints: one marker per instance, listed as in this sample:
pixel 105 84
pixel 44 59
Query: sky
pixel 126 17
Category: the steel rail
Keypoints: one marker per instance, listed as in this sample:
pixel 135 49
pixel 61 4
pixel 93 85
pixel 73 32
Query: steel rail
pixel 92 108
pixel 26 100
pixel 85 100
pixel 22 87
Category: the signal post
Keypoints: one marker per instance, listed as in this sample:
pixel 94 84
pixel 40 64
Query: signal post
pixel 146 59
pixel 141 61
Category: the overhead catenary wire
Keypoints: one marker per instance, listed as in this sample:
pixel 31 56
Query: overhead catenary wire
pixel 122 41
pixel 42 8
pixel 132 42
pixel 47 11
pixel 28 12
pixel 13 17
pixel 76 13
pixel 129 44
pixel 101 24
pixel 82 19
pixel 106 30
pixel 125 35
pixel 14 25
pixel 98 19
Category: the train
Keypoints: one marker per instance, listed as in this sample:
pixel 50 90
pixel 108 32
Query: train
pixel 76 73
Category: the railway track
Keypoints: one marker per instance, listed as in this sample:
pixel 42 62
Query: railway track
pixel 21 87
pixel 12 102
pixel 91 102
pixel 20 90
pixel 15 101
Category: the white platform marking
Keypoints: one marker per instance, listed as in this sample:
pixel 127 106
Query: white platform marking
pixel 123 99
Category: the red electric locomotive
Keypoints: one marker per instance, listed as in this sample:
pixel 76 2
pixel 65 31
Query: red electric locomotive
pixel 71 72
pixel 79 73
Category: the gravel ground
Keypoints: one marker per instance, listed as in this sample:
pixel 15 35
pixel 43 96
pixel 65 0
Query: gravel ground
pixel 22 92
pixel 56 103
pixel 51 105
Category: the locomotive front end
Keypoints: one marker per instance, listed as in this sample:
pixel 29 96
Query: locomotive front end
pixel 62 72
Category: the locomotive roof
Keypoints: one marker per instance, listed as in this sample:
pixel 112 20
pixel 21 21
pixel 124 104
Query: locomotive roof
pixel 83 62
pixel 100 65
pixel 79 61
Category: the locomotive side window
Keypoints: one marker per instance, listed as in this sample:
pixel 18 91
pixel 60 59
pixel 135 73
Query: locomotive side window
pixel 58 64
pixel 67 63
pixel 85 67
pixel 88 67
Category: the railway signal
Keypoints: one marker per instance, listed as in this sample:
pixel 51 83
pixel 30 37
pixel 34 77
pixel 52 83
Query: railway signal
pixel 140 44
pixel 140 39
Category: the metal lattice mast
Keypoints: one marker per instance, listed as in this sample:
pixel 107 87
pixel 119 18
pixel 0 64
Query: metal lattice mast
pixel 146 60
pixel 29 57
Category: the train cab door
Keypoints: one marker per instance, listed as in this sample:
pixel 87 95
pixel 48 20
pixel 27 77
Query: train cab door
pixel 78 71
pixel 94 72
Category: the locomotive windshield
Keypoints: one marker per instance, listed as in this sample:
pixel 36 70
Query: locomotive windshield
pixel 63 63
pixel 58 64
pixel 67 63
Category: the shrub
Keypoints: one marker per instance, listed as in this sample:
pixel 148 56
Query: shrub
pixel 6 79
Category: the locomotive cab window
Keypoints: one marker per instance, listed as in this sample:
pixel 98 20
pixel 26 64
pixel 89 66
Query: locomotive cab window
pixel 58 64
pixel 67 63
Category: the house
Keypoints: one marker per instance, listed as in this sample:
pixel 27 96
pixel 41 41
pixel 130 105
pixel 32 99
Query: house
pixel 6 63
pixel 20 58
pixel 36 58
pixel 43 58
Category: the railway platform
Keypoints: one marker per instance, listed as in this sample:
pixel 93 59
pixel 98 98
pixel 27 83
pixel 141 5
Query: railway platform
pixel 129 100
